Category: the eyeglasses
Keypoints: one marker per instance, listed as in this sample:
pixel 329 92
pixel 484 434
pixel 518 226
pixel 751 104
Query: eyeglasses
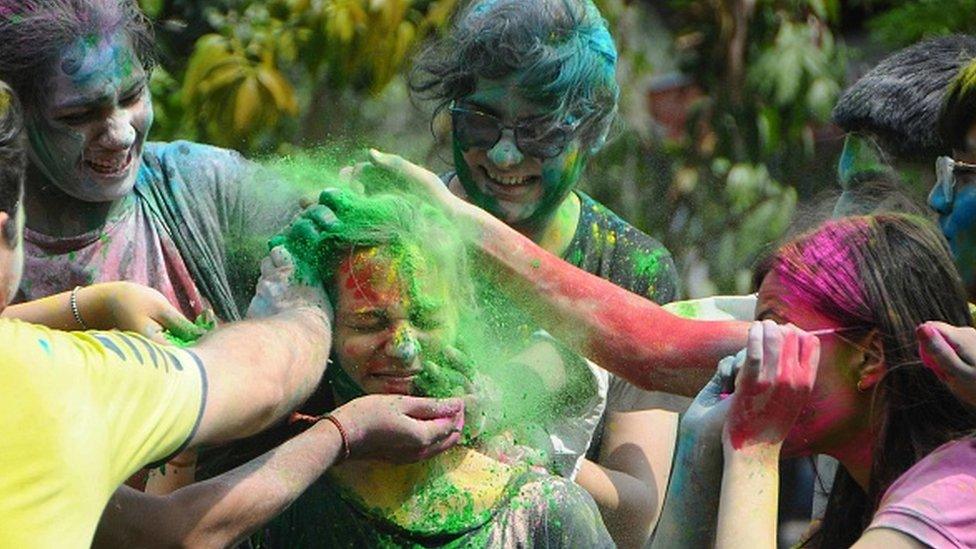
pixel 535 137
pixel 946 169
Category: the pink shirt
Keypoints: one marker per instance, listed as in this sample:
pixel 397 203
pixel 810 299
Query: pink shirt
pixel 935 501
pixel 129 247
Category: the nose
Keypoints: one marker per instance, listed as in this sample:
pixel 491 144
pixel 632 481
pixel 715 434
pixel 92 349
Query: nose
pixel 403 345
pixel 505 154
pixel 119 134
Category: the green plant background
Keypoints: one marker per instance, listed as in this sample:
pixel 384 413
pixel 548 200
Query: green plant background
pixel 275 76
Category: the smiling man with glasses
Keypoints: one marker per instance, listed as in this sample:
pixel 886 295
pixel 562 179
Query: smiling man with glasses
pixel 531 90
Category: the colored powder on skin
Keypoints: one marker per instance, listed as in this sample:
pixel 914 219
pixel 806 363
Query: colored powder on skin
pixel 647 265
pixel 203 322
pixel 526 382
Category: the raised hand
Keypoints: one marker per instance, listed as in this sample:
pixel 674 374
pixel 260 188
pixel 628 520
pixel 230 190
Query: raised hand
pixel 420 181
pixel 950 352
pixel 400 429
pixel 773 385
pixel 281 288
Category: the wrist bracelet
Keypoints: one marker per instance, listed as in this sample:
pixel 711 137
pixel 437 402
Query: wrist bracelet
pixel 342 433
pixel 74 308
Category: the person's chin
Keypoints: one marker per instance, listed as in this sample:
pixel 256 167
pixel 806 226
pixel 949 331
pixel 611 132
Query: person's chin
pixel 390 385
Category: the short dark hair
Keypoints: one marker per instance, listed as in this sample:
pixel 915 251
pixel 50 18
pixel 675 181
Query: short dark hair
pixel 562 50
pixel 899 99
pixel 35 32
pixel 13 160
pixel 959 109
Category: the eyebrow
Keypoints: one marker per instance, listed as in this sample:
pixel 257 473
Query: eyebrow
pixel 94 100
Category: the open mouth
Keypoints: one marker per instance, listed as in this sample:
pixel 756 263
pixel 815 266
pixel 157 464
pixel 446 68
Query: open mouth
pixel 110 167
pixel 504 180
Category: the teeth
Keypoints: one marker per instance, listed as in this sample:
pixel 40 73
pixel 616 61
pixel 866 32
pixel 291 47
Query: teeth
pixel 108 165
pixel 508 179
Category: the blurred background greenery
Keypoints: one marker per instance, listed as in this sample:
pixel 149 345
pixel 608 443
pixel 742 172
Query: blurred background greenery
pixel 724 119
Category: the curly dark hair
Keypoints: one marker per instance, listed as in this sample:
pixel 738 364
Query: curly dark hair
pixel 560 51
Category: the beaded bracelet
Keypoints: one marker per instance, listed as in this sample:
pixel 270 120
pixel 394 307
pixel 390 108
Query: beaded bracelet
pixel 74 308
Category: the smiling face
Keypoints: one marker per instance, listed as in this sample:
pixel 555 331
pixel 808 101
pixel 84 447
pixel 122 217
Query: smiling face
pixel 88 132
pixel 836 412
pixel 382 329
pixel 512 185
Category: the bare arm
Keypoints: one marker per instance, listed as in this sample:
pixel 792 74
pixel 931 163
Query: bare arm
pixel 629 482
pixel 109 306
pixel 260 370
pixel 623 332
pixel 224 510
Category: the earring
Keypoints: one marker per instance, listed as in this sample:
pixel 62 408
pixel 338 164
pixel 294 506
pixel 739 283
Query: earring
pixel 860 388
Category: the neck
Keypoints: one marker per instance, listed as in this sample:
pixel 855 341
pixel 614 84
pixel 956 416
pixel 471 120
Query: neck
pixel 554 234
pixel 855 454
pixel 52 212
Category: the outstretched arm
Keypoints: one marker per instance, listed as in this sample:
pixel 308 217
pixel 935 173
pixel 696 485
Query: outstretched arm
pixel 623 332
pixel 222 511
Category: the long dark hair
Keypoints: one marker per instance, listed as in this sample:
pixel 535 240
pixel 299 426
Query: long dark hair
pixel 888 273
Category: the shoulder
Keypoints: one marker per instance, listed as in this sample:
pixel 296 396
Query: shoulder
pixel 639 262
pixel 182 160
pixel 935 500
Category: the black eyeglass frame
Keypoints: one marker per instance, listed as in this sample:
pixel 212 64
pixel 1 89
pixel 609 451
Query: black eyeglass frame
pixel 544 148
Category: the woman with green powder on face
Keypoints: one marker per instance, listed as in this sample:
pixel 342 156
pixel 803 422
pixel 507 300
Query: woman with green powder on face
pixel 407 322
pixel 531 91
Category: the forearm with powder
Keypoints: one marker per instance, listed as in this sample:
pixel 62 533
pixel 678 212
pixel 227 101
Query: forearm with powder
pixel 222 511
pixel 690 514
pixel 280 360
pixel 628 334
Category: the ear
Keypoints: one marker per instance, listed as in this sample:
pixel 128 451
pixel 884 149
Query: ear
pixel 599 142
pixel 872 368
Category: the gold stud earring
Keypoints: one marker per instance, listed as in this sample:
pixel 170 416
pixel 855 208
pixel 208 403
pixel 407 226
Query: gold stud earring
pixel 860 388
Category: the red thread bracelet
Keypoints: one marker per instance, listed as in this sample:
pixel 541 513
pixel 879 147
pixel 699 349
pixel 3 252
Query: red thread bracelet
pixel 342 433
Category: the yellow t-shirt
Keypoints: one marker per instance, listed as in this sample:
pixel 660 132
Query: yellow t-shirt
pixel 79 414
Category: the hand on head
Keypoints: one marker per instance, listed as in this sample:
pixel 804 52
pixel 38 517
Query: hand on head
pixel 288 282
pixel 950 352
pixel 420 181
pixel 400 429
pixel 773 385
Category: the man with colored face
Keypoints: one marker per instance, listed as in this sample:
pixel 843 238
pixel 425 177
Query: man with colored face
pixel 530 87
pixel 953 196
pixel 103 204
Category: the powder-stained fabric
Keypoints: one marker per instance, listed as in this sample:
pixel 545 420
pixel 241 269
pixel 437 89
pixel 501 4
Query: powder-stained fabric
pixel 195 229
pixel 935 501
pixel 541 512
